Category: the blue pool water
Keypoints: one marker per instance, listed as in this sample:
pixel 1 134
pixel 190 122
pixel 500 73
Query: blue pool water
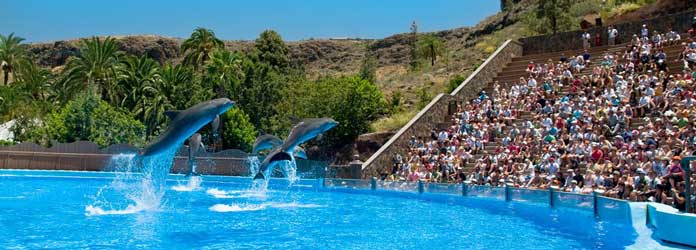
pixel 70 210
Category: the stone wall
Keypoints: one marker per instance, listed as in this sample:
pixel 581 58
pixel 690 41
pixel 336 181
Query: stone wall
pixel 680 22
pixel 435 112
pixel 438 110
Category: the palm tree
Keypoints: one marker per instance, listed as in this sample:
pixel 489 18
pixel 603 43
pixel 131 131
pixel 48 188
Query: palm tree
pixel 10 54
pixel 33 81
pixel 95 67
pixel 178 83
pixel 135 76
pixel 224 70
pixel 199 46
pixel 431 47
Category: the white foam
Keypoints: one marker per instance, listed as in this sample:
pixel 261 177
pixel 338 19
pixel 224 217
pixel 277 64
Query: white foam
pixel 221 194
pixel 12 197
pixel 194 184
pixel 93 211
pixel 223 208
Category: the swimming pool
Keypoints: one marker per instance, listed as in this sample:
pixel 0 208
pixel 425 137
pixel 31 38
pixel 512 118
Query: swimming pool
pixel 54 209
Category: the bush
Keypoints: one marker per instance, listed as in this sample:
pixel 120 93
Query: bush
pixel 90 118
pixel 454 82
pixel 237 130
pixel 393 122
pixel 583 8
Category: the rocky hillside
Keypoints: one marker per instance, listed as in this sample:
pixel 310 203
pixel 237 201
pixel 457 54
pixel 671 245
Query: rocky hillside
pixel 323 57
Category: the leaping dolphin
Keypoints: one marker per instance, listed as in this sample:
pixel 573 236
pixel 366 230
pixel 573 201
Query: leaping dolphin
pixel 302 132
pixel 265 142
pixel 184 123
pixel 195 144
pixel 268 141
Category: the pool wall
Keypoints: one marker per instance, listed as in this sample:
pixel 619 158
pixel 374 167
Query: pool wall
pixel 601 207
pixel 672 225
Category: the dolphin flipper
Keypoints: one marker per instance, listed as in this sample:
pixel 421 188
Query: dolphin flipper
pixel 299 152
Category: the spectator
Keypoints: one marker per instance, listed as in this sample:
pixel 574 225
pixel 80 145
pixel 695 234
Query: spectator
pixel 612 33
pixel 644 32
pixel 586 38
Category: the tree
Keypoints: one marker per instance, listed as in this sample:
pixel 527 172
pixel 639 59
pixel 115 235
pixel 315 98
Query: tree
pixel 224 71
pixel 272 49
pixel 181 85
pixel 351 101
pixel 553 15
pixel 11 52
pixel 237 130
pixel 414 46
pixel 368 69
pixel 33 82
pixel 94 68
pixel 199 46
pixel 88 118
pixel 136 78
pixel 430 47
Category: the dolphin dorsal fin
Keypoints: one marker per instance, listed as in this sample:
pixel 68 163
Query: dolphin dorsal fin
pixel 171 113
pixel 294 119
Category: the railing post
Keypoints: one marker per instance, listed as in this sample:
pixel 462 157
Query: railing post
pixel 594 203
pixel 373 183
pixel 465 189
pixel 508 195
pixel 551 197
pixel 421 187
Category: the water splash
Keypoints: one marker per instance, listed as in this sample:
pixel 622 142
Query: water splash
pixel 254 163
pixel 139 185
pixel 193 184
pixel 290 170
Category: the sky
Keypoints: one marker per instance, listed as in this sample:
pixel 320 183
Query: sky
pixel 50 20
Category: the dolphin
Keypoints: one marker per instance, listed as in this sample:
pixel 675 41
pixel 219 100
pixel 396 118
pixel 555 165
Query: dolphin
pixel 195 144
pixel 265 142
pixel 268 141
pixel 184 123
pixel 302 132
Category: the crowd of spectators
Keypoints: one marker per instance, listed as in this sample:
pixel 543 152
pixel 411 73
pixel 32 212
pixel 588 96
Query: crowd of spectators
pixel 616 122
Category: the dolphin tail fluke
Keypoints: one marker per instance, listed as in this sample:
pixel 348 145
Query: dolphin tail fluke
pixel 259 176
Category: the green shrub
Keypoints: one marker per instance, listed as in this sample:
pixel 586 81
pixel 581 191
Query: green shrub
pixel 237 130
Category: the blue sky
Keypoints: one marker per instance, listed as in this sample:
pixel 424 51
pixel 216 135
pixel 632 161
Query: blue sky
pixel 49 20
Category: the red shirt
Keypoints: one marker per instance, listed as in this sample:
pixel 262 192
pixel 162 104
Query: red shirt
pixel 596 155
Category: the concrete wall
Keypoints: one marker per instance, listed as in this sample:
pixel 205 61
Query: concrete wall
pixel 672 225
pixel 86 156
pixel 438 110
pixel 679 22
